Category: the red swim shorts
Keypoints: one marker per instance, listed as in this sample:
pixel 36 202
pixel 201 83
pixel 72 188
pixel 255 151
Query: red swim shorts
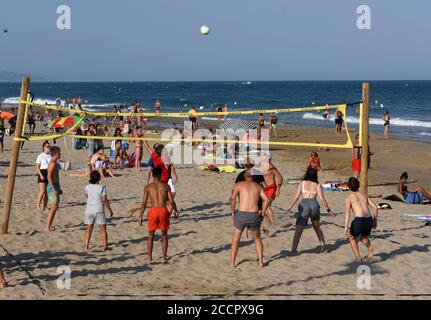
pixel 158 218
pixel 270 191
pixel 356 165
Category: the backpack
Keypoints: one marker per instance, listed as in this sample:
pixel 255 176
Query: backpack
pixel 414 198
pixel 131 161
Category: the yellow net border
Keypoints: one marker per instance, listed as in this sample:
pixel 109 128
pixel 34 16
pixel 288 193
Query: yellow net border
pixel 83 114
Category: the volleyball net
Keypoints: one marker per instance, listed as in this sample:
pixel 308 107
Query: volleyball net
pixel 313 126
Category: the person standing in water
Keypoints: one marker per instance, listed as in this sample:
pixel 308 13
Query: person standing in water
pixel 159 194
pixel 364 221
pixel 386 124
pixel 157 105
pixel 309 189
pixel 249 194
pixel 338 121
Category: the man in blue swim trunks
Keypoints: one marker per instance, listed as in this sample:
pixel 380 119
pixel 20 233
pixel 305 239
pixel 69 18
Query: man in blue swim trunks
pixel 53 189
pixel 248 216
pixel 364 220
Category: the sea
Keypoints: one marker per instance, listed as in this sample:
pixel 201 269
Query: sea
pixel 408 102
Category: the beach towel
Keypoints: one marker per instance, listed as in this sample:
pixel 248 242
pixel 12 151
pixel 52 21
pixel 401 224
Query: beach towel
pixel 335 186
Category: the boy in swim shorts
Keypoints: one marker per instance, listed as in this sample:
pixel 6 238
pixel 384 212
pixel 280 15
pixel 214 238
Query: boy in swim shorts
pixel 159 194
pixel 53 189
pixel 364 221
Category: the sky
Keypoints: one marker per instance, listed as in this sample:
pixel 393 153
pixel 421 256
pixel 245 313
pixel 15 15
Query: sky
pixel 159 40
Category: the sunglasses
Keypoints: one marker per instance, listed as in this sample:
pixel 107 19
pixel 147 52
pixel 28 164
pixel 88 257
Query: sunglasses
pixel 49 147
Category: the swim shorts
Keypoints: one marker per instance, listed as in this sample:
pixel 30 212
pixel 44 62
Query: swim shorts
pixel 273 126
pixel 271 191
pixel 356 165
pixel 52 197
pixel 158 218
pixel 95 218
pixel 308 209
pixel 44 175
pixel 251 220
pixel 361 226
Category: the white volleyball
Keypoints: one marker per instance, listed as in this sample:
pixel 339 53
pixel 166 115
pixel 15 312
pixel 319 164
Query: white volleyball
pixel 205 30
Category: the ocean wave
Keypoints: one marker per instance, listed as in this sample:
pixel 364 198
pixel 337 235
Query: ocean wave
pixel 394 121
pixel 428 134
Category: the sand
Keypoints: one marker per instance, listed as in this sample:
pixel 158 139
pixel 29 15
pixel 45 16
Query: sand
pixel 199 248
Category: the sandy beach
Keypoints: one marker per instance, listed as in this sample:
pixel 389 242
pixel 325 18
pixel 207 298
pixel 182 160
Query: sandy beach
pixel 200 239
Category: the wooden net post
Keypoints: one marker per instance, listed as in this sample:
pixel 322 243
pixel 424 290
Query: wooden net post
pixel 14 157
pixel 364 136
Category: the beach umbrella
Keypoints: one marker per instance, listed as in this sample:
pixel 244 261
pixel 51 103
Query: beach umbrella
pixel 6 115
pixel 69 121
pixel 236 124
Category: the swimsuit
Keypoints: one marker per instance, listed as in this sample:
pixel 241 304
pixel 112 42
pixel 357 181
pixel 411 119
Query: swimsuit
pixel 158 218
pixel 250 220
pixel 309 208
pixel 387 122
pixel 361 226
pixel 270 191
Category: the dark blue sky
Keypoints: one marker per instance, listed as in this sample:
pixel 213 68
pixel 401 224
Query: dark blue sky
pixel 249 40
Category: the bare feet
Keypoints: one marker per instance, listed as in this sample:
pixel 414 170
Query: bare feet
pixel 106 248
pixel 48 229
pixel 261 264
pixel 370 254
pixel 3 284
pixel 131 211
pixel 164 260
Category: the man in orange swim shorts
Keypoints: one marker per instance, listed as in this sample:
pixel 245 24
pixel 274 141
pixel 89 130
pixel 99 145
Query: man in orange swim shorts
pixel 158 216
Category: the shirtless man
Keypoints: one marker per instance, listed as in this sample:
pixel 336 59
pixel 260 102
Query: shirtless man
pixel 363 222
pixel 53 189
pixel 3 283
pixel 272 183
pixel 249 193
pixel 158 216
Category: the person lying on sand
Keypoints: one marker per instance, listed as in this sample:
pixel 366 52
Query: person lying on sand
pixel 159 194
pixel 402 188
pixel 249 193
pixel 363 222
pixel 3 283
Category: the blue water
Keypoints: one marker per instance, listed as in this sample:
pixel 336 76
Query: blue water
pixel 409 102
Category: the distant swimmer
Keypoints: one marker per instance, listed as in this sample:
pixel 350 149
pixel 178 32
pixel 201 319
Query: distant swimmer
pixel 364 221
pixel 247 216
pixel 157 105
pixel 338 121
pixel 326 114
pixel 386 124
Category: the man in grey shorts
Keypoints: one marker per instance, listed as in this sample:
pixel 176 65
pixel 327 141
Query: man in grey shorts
pixel 249 193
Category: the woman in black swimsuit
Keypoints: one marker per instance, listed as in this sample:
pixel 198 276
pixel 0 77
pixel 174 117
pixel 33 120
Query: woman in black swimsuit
pixel 338 121
pixel 386 125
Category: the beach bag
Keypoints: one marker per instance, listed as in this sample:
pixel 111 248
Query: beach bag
pixel 131 161
pixel 414 198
